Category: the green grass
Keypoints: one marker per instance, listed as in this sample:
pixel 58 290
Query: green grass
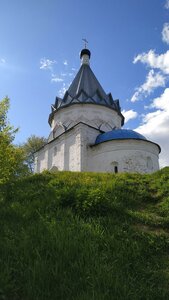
pixel 84 236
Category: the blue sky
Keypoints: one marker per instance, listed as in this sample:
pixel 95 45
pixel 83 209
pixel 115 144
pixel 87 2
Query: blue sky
pixel 40 43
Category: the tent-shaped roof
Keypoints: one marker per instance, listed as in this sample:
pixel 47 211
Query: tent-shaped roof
pixel 85 88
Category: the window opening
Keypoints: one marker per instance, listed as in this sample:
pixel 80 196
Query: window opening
pixel 116 169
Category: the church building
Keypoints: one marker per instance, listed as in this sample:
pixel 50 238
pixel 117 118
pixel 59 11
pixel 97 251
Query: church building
pixel 86 133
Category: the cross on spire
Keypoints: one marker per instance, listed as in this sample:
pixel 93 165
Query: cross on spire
pixel 85 42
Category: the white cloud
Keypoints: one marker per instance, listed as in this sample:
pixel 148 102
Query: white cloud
pixel 63 74
pixel 65 62
pixel 165 33
pixel 63 89
pixel 55 78
pixel 167 4
pixel 129 114
pixel 60 75
pixel 46 64
pixel 162 102
pixel 2 61
pixel 153 80
pixel 155 125
pixel 155 61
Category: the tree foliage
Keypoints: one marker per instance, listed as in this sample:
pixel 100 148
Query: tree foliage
pixel 32 144
pixel 6 130
pixel 11 156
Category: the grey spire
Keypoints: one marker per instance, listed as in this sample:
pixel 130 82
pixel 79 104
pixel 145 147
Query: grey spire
pixel 85 89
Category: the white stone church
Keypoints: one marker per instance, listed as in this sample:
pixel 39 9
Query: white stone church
pixel 86 132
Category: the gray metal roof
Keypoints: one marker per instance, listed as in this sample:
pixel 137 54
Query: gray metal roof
pixel 86 81
pixel 85 88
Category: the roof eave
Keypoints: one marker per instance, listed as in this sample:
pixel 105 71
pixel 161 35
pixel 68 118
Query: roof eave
pixel 127 140
pixel 51 115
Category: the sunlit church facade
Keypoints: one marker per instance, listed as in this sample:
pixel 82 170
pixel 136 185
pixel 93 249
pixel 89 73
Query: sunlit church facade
pixel 87 135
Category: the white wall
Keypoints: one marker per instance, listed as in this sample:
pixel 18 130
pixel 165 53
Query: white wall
pixel 128 155
pixel 65 152
pixel 94 115
pixel 75 151
pixel 41 160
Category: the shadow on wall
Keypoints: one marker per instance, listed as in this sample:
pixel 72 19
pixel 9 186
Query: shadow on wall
pixel 53 169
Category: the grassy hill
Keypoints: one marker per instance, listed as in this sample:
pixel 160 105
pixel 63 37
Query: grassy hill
pixel 81 236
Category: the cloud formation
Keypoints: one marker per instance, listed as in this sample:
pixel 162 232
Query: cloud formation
pixel 65 62
pixel 129 114
pixel 63 89
pixel 2 60
pixel 155 125
pixel 55 78
pixel 46 64
pixel 167 4
pixel 155 61
pixel 153 80
pixel 165 33
pixel 61 76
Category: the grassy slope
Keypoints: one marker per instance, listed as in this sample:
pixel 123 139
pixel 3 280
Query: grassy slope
pixel 85 236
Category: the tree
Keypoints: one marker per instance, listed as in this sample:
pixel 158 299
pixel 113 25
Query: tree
pixel 11 156
pixel 32 144
pixel 6 130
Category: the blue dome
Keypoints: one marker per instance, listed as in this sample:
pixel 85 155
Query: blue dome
pixel 119 134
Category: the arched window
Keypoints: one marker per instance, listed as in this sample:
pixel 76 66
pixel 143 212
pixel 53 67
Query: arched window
pixel 114 167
